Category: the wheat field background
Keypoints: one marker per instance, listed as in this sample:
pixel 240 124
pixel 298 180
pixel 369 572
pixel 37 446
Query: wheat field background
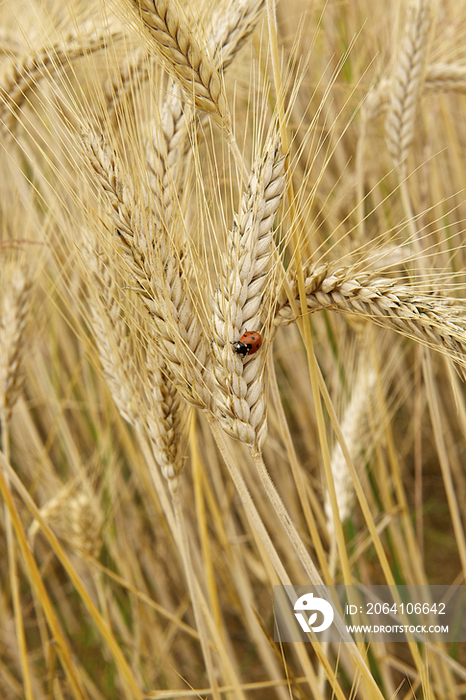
pixel 171 177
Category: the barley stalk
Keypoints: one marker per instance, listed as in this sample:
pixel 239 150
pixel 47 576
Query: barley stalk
pixel 238 299
pixel 407 80
pixel 426 318
pixel 15 303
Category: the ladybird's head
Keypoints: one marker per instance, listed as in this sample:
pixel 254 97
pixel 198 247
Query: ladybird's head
pixel 240 348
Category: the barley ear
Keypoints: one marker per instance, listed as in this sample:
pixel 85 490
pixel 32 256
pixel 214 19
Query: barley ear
pixel 15 303
pixel 238 300
pixel 75 515
pixel 111 333
pixel 444 77
pixel 232 23
pixel 183 56
pixel 407 82
pixel 85 523
pixel 22 75
pixel 435 322
pixel 354 429
pixel 169 142
pixel 165 420
pixel 157 273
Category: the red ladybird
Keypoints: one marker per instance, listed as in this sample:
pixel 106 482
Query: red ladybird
pixel 248 344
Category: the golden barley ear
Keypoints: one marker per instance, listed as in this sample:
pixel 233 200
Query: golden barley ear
pixel 111 332
pixel 165 419
pixel 434 321
pixel 185 57
pixel 23 74
pixel 169 142
pixel 75 515
pixel 407 81
pixel 356 435
pixel 148 257
pixel 239 297
pixel 445 77
pixel 15 306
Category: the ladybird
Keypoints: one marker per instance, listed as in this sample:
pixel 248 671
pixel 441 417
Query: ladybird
pixel 248 344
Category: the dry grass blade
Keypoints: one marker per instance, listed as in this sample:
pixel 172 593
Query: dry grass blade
pixel 239 297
